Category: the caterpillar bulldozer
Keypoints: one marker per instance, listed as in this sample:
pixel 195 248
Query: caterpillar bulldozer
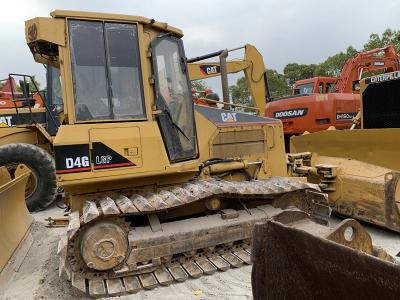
pixel 359 167
pixel 159 189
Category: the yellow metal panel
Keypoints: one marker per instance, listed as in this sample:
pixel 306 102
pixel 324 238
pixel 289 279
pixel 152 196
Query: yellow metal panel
pixel 13 214
pixel 45 29
pixel 123 140
pixel 115 17
pixel 18 135
pixel 376 146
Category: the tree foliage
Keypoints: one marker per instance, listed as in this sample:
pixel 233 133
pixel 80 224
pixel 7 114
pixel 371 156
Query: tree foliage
pixel 281 84
pixel 277 84
pixel 389 36
pixel 333 64
pixel 240 93
pixel 294 72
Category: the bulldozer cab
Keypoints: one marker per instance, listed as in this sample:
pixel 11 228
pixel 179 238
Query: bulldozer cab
pixel 106 74
pixel 375 90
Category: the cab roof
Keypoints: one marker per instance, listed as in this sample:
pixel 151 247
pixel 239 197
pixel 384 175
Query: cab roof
pixel 115 17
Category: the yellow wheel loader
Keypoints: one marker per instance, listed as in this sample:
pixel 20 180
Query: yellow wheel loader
pixel 159 189
pixel 26 135
pixel 359 168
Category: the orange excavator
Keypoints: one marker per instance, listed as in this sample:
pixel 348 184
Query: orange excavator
pixel 320 102
pixel 10 97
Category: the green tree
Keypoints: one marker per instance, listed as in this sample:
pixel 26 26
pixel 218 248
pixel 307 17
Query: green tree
pixel 240 93
pixel 333 64
pixel 277 84
pixel 294 72
pixel 389 36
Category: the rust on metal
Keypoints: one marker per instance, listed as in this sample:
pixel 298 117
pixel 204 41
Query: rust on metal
pixel 289 263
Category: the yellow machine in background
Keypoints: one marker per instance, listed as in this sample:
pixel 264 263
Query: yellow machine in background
pixel 252 65
pixel 359 168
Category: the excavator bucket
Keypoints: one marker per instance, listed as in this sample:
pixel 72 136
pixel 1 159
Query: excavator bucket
pixel 15 222
pixel 293 263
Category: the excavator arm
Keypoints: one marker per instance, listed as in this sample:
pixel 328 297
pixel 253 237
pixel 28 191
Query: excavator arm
pixel 364 62
pixel 253 67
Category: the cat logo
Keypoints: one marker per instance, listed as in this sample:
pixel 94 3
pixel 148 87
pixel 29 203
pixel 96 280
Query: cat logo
pixel 5 121
pixel 228 117
pixel 210 69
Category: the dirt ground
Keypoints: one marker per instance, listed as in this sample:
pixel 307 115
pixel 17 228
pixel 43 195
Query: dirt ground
pixel 38 275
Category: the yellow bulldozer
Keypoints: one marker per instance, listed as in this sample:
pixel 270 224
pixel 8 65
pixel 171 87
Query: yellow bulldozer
pixel 160 189
pixel 147 171
pixel 358 168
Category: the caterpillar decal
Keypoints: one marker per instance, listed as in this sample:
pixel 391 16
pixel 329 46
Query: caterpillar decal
pixel 78 158
pixel 210 69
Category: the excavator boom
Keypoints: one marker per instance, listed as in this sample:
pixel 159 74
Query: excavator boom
pixel 253 67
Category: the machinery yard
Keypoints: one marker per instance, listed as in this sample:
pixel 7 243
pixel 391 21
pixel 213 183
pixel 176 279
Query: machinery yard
pixel 129 176
pixel 38 277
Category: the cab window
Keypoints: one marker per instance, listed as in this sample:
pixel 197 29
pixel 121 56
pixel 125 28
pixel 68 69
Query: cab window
pixel 106 71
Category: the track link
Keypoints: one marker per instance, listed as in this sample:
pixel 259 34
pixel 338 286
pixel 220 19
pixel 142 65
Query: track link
pixel 177 250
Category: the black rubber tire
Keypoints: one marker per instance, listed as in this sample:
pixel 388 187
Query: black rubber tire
pixel 41 163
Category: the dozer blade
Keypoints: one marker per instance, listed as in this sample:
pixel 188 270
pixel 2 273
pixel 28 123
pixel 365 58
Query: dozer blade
pixel 15 222
pixel 291 263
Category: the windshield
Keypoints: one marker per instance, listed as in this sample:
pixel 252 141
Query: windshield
pixel 174 98
pixel 106 71
pixel 306 88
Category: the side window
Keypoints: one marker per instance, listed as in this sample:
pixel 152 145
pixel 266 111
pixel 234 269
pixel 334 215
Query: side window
pixel 321 88
pixel 174 98
pixel 106 71
pixel 329 87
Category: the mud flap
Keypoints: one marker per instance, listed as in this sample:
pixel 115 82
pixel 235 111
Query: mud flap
pixel 289 263
pixel 15 222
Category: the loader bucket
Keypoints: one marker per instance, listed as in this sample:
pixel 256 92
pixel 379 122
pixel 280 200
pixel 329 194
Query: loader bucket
pixel 15 222
pixel 289 263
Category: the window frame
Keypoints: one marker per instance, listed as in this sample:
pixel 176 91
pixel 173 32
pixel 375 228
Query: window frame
pixel 108 72
pixel 161 103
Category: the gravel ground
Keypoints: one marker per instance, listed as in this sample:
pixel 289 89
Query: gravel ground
pixel 38 275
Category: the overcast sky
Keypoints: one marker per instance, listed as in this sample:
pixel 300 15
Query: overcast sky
pixel 302 31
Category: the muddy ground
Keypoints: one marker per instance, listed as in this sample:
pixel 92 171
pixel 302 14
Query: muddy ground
pixel 38 275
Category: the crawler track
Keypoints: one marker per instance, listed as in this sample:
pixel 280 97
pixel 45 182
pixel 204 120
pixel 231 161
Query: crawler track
pixel 104 253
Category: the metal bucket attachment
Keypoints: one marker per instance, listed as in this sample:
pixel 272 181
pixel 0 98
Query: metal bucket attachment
pixel 289 263
pixel 15 222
